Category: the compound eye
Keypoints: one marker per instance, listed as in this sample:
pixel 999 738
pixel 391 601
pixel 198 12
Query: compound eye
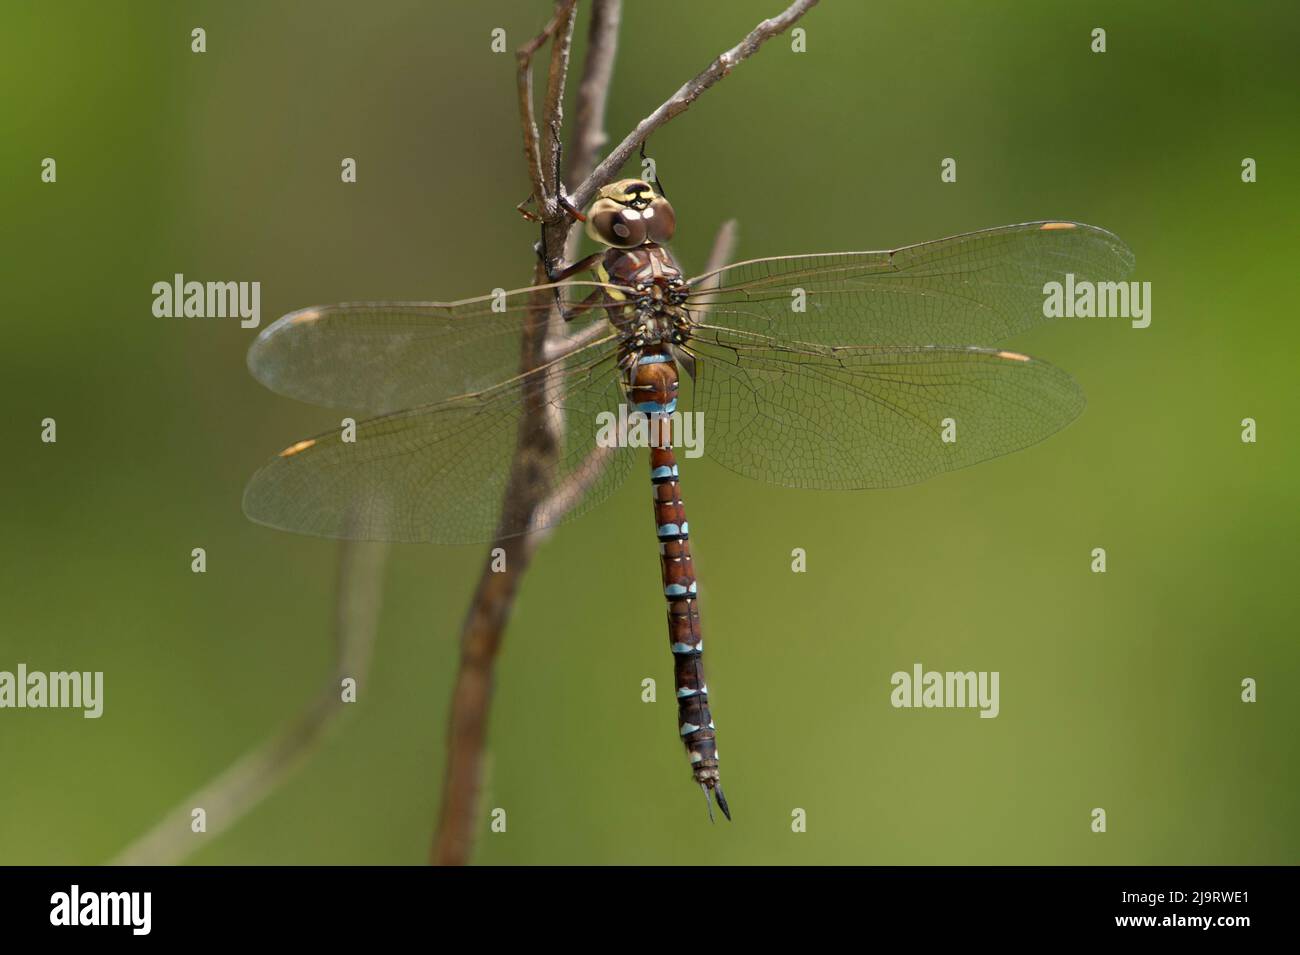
pixel 616 225
pixel 660 220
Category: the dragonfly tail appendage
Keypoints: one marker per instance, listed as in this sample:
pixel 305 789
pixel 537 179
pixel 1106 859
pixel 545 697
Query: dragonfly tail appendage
pixel 722 800
pixel 714 792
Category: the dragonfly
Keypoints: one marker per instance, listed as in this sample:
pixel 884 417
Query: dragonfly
pixel 841 370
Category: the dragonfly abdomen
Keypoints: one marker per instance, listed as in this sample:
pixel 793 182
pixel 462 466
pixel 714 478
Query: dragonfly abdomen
pixel 655 387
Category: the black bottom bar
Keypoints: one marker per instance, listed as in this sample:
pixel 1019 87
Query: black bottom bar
pixel 442 905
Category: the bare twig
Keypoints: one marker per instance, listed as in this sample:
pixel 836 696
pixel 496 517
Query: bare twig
pixel 569 492
pixel 593 90
pixel 680 101
pixel 539 436
pixel 564 12
pixel 724 250
pixel 246 782
pixel 556 76
pixel 593 94
pixel 563 345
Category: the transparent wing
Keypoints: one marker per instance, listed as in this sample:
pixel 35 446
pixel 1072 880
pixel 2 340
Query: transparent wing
pixel 381 357
pixel 859 417
pixel 439 473
pixel 974 289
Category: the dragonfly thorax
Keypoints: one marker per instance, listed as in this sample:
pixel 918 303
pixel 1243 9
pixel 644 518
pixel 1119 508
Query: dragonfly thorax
pixel 648 303
pixel 667 326
pixel 648 269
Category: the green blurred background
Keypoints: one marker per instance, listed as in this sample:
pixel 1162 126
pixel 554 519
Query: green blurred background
pixel 1118 690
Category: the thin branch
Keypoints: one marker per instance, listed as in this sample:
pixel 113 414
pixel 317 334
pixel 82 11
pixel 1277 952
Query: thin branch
pixel 724 250
pixel 532 153
pixel 566 344
pixel 558 73
pixel 567 495
pixel 528 121
pixel 593 90
pixel 680 101
pixel 246 782
pixel 593 95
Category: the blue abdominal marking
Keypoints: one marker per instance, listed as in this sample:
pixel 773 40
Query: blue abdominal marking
pixel 654 407
pixel 681 648
pixel 654 358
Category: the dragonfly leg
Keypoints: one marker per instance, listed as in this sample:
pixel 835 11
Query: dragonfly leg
pixel 560 273
pixel 530 216
pixel 562 199
pixel 570 208
pixel 588 303
pixel 555 274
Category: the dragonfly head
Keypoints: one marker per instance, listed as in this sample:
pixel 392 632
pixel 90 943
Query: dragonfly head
pixel 629 213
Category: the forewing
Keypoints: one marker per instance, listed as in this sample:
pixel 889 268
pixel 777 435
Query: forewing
pixel 974 289
pixel 381 357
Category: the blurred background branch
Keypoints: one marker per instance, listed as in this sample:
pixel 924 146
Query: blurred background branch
pixel 258 773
